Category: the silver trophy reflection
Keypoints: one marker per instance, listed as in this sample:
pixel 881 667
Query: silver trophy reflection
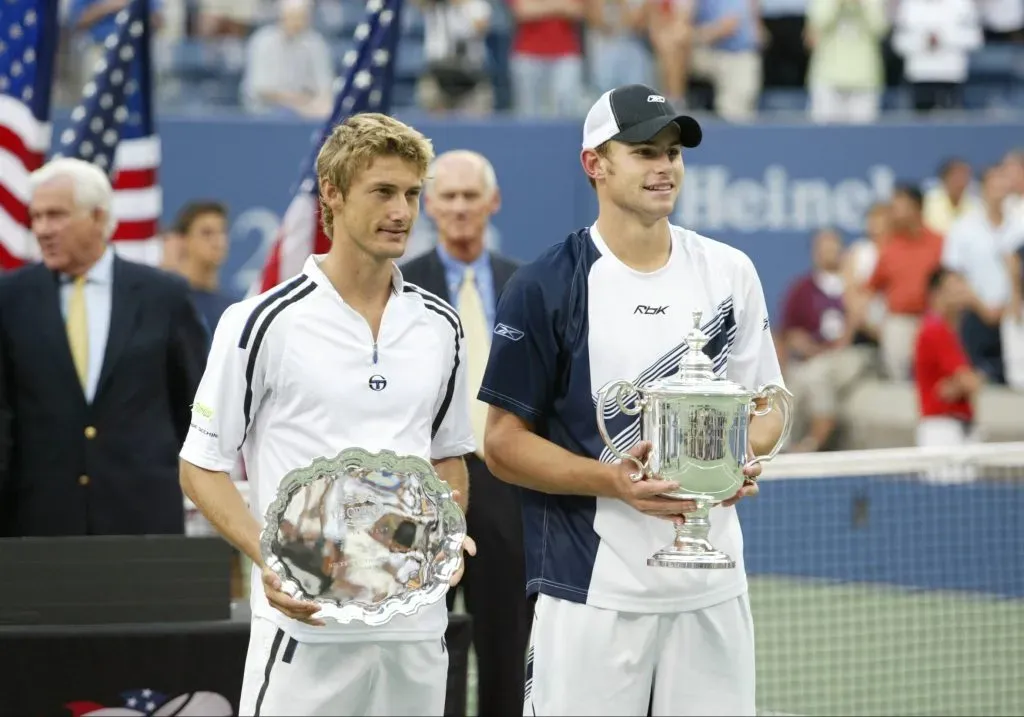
pixel 698 426
pixel 365 535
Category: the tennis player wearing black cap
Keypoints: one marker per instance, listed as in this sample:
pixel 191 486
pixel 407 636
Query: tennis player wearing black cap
pixel 612 636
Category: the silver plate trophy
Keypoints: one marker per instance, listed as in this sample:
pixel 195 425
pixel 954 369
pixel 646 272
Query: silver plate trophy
pixel 697 425
pixel 367 536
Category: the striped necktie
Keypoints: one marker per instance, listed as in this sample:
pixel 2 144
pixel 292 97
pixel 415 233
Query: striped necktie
pixel 77 325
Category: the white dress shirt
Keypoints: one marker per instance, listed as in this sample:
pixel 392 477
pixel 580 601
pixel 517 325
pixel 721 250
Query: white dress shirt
pixel 956 26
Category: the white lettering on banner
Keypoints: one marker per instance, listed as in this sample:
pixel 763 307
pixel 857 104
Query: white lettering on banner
pixel 713 201
pixel 252 233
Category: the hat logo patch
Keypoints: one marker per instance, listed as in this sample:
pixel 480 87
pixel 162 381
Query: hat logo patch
pixel 655 98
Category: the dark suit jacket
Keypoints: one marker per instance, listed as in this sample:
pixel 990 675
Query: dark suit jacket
pixel 110 467
pixel 427 272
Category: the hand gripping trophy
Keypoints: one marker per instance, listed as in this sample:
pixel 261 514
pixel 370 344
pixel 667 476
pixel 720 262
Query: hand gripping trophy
pixel 698 426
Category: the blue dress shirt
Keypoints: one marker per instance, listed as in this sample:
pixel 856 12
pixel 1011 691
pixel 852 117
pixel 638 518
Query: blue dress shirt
pixel 454 271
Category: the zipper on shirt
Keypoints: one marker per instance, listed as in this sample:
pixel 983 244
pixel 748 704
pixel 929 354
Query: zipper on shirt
pixel 374 353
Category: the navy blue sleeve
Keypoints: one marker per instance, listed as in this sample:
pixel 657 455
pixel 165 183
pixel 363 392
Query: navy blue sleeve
pixel 522 368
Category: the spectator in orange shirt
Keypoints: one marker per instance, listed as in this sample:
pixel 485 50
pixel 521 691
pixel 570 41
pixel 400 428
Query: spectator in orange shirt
pixel 904 266
pixel 946 382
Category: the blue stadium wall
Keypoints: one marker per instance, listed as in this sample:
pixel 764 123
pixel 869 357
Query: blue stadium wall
pixel 895 530
pixel 761 188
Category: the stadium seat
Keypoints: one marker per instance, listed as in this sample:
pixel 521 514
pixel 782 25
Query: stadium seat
pixel 883 414
pixel 410 59
pixel 998 62
pixel 194 60
pixel 403 95
pixel 784 100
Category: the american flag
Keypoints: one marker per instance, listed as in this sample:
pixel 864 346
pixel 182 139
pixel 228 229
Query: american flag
pixel 366 87
pixel 113 128
pixel 28 50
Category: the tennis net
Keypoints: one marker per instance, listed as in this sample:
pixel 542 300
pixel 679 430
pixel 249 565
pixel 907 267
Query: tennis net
pixel 889 582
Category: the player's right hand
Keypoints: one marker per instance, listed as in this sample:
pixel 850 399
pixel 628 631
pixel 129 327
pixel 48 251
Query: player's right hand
pixel 644 495
pixel 301 610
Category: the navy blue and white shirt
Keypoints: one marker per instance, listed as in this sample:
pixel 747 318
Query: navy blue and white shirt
pixel 577 318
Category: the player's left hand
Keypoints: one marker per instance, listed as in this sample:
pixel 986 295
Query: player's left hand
pixel 468 546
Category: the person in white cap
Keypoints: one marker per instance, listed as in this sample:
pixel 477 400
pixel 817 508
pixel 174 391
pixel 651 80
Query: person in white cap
pixel 615 300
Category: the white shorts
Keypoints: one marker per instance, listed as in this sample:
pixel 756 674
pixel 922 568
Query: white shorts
pixel 285 677
pixel 587 661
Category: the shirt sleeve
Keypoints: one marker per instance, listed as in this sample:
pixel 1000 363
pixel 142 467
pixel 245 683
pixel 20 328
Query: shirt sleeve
pixel 229 393
pixel 753 362
pixel 522 367
pixel 792 312
pixel 879 279
pixel 948 352
pixel 952 254
pixel 452 429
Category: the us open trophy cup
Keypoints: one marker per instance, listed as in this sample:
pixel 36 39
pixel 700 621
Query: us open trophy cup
pixel 697 425
pixel 366 536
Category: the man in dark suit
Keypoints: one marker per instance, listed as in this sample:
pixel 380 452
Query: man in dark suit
pixel 461 197
pixel 100 360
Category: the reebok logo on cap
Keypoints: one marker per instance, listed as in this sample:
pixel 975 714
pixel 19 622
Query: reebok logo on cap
pixel 633 114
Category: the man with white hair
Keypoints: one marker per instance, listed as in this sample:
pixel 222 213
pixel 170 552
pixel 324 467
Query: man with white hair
pixel 102 357
pixel 461 196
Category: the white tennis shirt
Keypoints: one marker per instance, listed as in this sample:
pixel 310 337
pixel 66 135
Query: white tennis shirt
pixel 294 374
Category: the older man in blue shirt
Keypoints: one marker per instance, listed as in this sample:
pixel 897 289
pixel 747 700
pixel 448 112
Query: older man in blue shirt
pixel 460 198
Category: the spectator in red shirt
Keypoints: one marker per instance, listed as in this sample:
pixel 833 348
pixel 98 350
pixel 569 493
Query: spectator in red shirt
pixel 946 382
pixel 547 63
pixel 908 258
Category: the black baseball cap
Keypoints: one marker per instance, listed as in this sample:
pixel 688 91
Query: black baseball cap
pixel 635 113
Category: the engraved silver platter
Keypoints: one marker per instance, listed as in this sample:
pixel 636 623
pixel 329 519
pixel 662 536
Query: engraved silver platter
pixel 367 536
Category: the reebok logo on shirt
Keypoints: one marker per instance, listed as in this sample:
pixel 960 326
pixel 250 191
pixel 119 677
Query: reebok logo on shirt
pixel 650 310
pixel 508 332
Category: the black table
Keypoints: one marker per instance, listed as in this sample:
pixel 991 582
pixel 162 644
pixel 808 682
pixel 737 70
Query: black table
pixel 68 671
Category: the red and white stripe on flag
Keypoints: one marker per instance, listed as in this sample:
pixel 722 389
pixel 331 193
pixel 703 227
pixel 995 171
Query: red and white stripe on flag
pixel 24 142
pixel 300 235
pixel 138 200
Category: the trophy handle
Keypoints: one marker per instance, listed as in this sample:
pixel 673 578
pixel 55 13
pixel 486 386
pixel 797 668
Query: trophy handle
pixel 616 390
pixel 776 396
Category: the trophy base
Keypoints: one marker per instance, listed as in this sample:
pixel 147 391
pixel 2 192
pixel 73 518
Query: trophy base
pixel 700 557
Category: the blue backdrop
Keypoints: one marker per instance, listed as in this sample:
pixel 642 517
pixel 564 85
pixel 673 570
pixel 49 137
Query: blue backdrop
pixel 761 188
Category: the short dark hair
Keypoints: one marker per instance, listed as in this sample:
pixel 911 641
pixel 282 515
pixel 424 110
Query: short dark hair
pixel 948 164
pixel 910 191
pixel 937 277
pixel 188 214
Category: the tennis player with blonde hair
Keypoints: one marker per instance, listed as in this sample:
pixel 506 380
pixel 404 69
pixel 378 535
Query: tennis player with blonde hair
pixel 346 354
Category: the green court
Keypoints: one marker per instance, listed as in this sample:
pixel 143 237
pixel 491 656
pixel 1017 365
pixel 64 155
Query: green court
pixel 859 649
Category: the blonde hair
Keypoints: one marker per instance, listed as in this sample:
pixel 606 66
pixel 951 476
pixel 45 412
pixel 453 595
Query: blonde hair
pixel 355 143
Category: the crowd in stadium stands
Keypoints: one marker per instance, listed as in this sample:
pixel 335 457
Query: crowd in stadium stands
pixel 837 60
pixel 931 294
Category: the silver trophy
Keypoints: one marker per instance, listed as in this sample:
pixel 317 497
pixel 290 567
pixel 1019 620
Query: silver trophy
pixel 697 425
pixel 367 536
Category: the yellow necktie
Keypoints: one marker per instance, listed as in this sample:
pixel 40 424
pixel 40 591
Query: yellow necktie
pixel 478 346
pixel 77 325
